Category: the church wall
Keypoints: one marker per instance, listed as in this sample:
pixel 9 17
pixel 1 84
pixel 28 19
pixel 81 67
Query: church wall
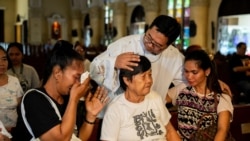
pixel 213 19
pixel 42 15
pixel 9 7
pixel 39 28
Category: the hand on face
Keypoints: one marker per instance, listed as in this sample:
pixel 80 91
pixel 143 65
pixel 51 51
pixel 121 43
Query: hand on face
pixel 95 103
pixel 80 90
pixel 126 60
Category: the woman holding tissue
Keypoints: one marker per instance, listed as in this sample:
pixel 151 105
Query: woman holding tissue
pixel 49 113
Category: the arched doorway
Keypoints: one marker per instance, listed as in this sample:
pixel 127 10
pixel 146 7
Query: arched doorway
pixel 137 21
pixel 233 25
pixel 87 31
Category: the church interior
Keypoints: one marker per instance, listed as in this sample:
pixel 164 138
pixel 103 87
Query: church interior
pixel 211 24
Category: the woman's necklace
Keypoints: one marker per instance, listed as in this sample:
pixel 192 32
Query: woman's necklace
pixel 21 69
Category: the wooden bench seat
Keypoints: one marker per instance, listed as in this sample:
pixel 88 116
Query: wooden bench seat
pixel 240 127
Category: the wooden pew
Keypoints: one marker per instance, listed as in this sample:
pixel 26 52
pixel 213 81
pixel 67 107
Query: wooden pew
pixel 240 127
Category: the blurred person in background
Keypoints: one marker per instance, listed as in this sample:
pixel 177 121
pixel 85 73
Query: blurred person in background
pixel 239 64
pixel 78 47
pixel 25 73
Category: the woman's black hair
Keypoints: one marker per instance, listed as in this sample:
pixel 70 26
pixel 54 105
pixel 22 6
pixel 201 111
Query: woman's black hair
pixel 204 62
pixel 61 55
pixel 168 26
pixel 143 66
pixel 19 46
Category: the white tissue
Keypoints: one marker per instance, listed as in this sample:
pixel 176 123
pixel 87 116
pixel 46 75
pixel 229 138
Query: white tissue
pixel 84 76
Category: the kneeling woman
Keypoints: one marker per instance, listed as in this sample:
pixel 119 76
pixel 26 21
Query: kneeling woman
pixel 138 113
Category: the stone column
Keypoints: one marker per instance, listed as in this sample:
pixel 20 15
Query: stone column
pixel 22 9
pixel 119 19
pixel 94 15
pixel 36 26
pixel 151 9
pixel 163 7
pixel 22 12
pixel 199 13
pixel 213 17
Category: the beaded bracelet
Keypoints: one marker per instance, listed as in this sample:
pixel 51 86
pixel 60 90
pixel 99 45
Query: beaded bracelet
pixel 89 121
